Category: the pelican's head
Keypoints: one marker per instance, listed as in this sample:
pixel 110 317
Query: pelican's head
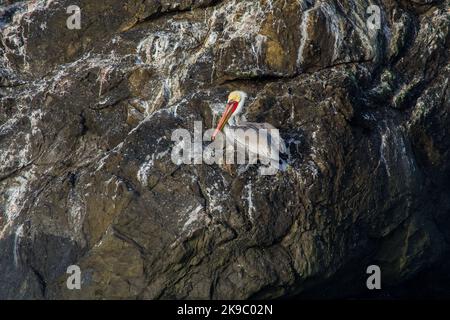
pixel 235 104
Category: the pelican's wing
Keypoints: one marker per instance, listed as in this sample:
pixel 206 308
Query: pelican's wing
pixel 240 140
pixel 263 150
pixel 257 126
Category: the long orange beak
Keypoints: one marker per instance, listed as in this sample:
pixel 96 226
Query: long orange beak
pixel 229 109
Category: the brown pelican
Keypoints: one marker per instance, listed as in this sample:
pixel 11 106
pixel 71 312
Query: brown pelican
pixel 267 147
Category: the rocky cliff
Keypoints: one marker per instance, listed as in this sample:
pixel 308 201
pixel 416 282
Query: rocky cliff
pixel 86 176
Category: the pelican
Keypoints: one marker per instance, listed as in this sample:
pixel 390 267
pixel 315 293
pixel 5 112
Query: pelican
pixel 266 149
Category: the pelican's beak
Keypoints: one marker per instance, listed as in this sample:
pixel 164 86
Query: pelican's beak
pixel 229 109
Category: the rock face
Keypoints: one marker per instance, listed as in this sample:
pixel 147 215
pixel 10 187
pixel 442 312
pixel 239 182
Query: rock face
pixel 86 176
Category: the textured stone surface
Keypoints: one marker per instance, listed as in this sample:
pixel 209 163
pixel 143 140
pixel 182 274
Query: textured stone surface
pixel 86 120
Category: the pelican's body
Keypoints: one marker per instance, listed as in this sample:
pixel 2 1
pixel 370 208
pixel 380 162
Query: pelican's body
pixel 267 148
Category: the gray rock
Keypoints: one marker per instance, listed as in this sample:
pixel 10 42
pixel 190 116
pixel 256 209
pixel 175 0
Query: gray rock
pixel 86 175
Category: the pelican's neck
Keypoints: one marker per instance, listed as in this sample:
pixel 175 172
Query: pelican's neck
pixel 235 119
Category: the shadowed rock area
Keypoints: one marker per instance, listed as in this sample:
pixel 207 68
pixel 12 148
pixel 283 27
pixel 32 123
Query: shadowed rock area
pixel 86 176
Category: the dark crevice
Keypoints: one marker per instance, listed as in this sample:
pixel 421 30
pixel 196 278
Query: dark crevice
pixel 118 234
pixel 267 78
pixel 169 13
pixel 41 281
pixel 15 171
pixel 84 128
